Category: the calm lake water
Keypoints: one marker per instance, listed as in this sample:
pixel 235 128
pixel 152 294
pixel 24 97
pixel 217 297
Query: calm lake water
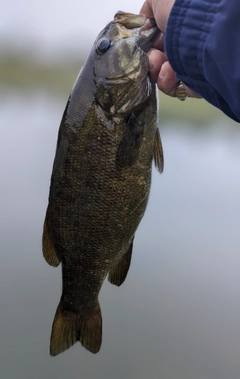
pixel 177 315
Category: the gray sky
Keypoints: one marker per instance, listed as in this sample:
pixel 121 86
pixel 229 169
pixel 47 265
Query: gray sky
pixel 56 23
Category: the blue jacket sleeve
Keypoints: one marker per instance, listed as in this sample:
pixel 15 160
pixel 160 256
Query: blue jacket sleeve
pixel 203 46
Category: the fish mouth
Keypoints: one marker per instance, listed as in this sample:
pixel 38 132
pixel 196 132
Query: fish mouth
pixel 137 26
pixel 141 30
pixel 147 33
pixel 145 27
pixel 133 74
pixel 149 28
pixel 133 21
pixel 129 20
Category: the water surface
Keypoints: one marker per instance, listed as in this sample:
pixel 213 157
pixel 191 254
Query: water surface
pixel 177 315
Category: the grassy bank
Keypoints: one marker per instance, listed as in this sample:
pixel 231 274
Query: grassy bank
pixel 30 74
pixel 57 78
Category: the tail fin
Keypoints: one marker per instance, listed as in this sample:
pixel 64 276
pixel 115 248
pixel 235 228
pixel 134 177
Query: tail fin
pixel 69 327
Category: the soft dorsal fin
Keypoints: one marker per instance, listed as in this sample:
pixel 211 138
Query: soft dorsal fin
pixel 158 152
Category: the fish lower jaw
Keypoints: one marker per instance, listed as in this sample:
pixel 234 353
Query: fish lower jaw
pixel 137 74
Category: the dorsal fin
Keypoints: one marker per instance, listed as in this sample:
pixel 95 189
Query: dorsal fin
pixel 158 152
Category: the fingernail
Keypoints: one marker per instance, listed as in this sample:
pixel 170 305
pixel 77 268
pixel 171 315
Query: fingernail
pixel 150 65
pixel 162 73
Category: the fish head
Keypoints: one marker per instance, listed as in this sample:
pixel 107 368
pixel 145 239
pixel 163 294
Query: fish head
pixel 120 63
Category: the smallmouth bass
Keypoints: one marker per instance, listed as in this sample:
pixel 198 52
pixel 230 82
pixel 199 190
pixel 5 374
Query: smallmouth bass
pixel 101 177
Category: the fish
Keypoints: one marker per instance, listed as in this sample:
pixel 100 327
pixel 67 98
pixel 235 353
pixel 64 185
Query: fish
pixel 107 141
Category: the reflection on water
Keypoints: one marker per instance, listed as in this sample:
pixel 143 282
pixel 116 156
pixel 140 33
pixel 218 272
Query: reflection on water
pixel 177 315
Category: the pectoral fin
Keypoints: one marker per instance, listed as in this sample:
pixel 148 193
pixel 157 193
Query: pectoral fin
pixel 49 252
pixel 158 152
pixel 128 149
pixel 118 273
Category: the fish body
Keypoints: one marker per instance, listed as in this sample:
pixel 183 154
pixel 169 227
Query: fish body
pixel 101 176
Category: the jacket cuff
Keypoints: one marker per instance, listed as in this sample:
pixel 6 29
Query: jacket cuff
pixel 191 20
pixel 187 44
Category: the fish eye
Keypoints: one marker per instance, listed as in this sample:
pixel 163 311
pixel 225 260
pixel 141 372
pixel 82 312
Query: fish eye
pixel 103 45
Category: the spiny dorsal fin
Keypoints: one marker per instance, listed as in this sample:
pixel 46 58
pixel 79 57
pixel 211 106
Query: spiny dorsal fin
pixel 158 152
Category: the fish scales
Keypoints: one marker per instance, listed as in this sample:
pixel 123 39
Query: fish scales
pixel 101 176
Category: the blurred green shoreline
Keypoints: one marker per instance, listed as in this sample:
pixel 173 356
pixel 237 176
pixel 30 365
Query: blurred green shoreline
pixel 57 77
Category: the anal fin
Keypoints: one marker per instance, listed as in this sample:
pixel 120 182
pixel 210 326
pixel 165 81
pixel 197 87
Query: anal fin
pixel 118 274
pixel 49 252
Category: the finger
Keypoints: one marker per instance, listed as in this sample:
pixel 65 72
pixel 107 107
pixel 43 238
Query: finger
pixel 156 60
pixel 146 9
pixel 167 82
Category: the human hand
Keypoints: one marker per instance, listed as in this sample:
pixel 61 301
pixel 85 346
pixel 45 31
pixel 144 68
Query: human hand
pixel 159 68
